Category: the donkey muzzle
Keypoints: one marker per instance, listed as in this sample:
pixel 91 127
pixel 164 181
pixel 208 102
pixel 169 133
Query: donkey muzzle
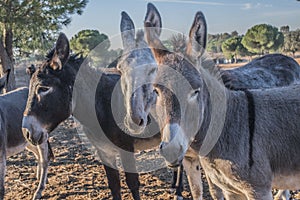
pixel 33 131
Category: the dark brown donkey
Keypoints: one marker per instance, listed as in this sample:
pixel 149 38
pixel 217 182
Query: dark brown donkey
pixel 53 87
pixel 12 141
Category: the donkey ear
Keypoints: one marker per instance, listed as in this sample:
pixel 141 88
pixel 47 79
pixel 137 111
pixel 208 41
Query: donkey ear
pixel 197 36
pixel 61 54
pixel 30 70
pixel 154 18
pixel 157 47
pixel 127 31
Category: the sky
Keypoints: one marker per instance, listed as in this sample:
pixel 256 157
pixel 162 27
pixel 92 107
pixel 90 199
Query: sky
pixel 221 16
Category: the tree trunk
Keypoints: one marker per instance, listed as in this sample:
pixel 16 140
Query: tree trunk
pixel 7 65
pixel 8 42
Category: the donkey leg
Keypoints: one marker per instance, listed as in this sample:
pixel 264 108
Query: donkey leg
pixel 215 192
pixel 35 151
pixel 229 196
pixel 2 169
pixel 177 182
pixel 109 161
pixel 191 164
pixel 42 168
pixel 282 195
pixel 132 177
pixel 114 185
pixel 132 180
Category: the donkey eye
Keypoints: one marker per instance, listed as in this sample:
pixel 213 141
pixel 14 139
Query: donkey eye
pixel 42 90
pixel 155 91
pixel 194 94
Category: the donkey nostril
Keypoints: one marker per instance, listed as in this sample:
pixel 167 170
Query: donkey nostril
pixel 160 146
pixel 141 122
pixel 27 134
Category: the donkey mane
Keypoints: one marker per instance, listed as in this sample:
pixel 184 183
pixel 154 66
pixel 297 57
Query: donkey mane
pixel 140 38
pixel 203 61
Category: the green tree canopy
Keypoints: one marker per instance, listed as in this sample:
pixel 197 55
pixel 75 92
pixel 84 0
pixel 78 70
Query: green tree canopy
pixel 292 42
pixel 28 24
pixel 214 44
pixel 86 40
pixel 233 47
pixel 96 46
pixel 230 46
pixel 262 38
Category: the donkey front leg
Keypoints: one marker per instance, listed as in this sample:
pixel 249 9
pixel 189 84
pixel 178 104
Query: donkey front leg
pixel 191 165
pixel 177 182
pixel 2 169
pixel 132 177
pixel 114 185
pixel 109 161
pixel 41 153
pixel 215 192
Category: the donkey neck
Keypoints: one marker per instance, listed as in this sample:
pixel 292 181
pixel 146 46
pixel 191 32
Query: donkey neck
pixel 91 87
pixel 233 143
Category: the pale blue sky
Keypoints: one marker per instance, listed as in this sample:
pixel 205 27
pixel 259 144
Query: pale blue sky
pixel 221 15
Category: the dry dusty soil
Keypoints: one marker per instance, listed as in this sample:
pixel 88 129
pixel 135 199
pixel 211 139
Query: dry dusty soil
pixel 76 174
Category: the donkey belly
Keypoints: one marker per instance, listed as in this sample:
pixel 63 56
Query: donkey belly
pixel 290 182
pixel 10 151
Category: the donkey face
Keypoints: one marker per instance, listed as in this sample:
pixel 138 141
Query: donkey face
pixel 4 80
pixel 182 95
pixel 181 100
pixel 49 95
pixel 138 70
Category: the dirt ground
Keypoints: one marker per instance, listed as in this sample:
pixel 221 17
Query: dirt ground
pixel 77 174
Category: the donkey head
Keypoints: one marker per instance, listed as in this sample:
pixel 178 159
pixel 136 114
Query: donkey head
pixel 138 70
pixel 4 80
pixel 182 95
pixel 50 94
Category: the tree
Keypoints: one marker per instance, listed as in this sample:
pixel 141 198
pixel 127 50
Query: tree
pixel 230 46
pixel 234 33
pixel 86 40
pixel 292 42
pixel 233 47
pixel 214 44
pixel 262 38
pixel 27 24
pixel 96 46
pixel 284 29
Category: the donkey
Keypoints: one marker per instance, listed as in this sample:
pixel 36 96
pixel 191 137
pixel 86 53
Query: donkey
pixel 265 72
pixel 53 86
pixel 272 70
pixel 3 80
pixel 12 141
pixel 197 112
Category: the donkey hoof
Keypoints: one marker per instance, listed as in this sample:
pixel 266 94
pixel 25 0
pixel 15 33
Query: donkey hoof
pixel 37 196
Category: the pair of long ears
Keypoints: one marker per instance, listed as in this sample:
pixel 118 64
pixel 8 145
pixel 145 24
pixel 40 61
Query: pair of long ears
pixel 197 36
pixel 153 27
